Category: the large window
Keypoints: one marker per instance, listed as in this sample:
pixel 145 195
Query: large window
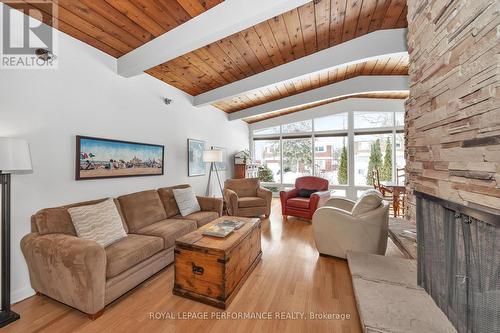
pixel 298 127
pixel 400 150
pixel 331 159
pixel 331 123
pixel 373 119
pixel 269 130
pixel 344 148
pixel 372 152
pixel 267 154
pixel 400 118
pixel 297 159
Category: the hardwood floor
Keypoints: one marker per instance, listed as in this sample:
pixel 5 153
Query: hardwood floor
pixel 291 278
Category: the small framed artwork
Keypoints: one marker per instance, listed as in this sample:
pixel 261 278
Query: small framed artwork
pixel 106 158
pixel 221 166
pixel 196 166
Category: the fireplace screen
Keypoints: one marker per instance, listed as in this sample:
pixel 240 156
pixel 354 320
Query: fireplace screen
pixel 459 264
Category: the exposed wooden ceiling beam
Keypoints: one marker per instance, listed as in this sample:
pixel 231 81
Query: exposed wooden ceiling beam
pixel 223 20
pixel 382 43
pixel 360 84
pixel 364 104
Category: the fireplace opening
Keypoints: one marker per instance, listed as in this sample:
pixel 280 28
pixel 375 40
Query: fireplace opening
pixel 459 262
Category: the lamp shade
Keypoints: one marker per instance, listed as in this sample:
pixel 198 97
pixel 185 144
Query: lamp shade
pixel 14 155
pixel 215 155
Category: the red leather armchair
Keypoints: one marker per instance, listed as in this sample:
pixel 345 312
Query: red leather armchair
pixel 294 205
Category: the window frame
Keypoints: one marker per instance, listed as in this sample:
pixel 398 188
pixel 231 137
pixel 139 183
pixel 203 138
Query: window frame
pixel 351 189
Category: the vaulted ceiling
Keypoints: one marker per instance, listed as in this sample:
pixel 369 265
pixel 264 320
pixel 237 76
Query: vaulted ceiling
pixel 292 35
pixel 117 27
pixel 382 66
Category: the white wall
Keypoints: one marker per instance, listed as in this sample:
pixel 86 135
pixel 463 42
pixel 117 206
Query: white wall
pixel 85 96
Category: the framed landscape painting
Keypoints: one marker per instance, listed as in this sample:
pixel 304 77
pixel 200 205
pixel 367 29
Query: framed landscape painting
pixel 104 158
pixel 221 166
pixel 196 166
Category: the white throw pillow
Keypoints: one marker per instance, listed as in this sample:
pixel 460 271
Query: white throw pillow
pixel 186 201
pixel 100 222
pixel 369 201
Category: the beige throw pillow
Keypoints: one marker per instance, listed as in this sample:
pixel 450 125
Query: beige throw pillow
pixel 369 201
pixel 186 201
pixel 100 222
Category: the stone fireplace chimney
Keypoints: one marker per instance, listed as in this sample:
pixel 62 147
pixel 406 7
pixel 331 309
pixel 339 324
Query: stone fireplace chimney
pixel 452 131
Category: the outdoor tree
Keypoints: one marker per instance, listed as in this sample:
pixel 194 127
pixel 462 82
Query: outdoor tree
pixel 265 174
pixel 387 167
pixel 375 162
pixel 296 152
pixel 342 175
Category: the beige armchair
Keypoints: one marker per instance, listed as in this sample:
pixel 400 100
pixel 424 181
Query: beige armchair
pixel 344 225
pixel 245 197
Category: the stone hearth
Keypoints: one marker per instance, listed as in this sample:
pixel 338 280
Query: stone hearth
pixel 389 299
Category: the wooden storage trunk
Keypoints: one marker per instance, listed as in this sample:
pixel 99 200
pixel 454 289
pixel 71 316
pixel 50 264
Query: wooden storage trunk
pixel 212 270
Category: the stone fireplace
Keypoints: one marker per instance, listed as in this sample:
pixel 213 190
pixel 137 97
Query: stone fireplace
pixel 459 262
pixel 452 150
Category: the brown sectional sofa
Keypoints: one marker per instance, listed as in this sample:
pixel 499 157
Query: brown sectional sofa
pixel 87 276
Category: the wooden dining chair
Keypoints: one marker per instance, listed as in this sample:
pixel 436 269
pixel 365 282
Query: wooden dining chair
pixel 377 185
pixel 400 176
pixel 399 203
pixel 386 192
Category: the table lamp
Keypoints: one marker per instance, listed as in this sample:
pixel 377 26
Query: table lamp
pixel 14 158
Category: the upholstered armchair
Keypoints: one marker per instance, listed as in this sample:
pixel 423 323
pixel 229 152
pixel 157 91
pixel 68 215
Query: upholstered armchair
pixel 343 225
pixel 303 200
pixel 245 197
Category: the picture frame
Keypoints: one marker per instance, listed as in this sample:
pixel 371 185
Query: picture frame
pixel 99 158
pixel 196 166
pixel 222 165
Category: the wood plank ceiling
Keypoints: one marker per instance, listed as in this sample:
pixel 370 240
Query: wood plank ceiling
pixel 118 26
pixel 292 35
pixel 308 29
pixel 381 66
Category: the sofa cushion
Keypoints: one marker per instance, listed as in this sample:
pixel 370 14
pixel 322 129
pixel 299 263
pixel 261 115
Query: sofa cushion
pixel 99 222
pixel 186 201
pixel 369 201
pixel 169 230
pixel 130 251
pixel 201 218
pixel 246 202
pixel 58 221
pixel 142 209
pixel 298 202
pixel 167 197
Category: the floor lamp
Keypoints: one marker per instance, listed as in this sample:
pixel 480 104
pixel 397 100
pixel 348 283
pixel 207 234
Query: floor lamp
pixel 14 157
pixel 213 156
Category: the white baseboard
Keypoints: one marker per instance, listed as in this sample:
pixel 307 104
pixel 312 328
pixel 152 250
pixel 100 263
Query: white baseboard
pixel 20 294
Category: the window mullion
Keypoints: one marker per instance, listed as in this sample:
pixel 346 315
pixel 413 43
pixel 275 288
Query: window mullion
pixel 350 193
pixel 313 151
pixel 394 171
